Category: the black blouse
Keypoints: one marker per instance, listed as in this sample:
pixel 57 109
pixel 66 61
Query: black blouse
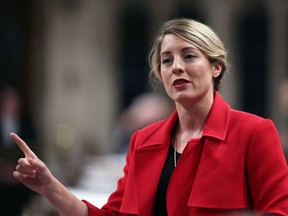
pixel 160 202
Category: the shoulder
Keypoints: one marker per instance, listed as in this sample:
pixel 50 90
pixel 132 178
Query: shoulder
pixel 250 122
pixel 246 117
pixel 234 116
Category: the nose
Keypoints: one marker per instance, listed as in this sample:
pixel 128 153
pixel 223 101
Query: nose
pixel 177 66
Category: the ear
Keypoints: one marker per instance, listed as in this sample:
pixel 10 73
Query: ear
pixel 217 68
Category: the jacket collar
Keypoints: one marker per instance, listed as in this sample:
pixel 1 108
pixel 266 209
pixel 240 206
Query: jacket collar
pixel 215 127
pixel 217 122
pixel 158 133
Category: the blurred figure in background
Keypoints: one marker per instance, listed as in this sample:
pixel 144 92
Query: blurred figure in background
pixel 283 130
pixel 13 195
pixel 145 109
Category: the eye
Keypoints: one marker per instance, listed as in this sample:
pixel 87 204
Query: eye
pixel 166 60
pixel 190 56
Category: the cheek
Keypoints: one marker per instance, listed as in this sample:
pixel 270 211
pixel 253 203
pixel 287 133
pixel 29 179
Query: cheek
pixel 162 75
pixel 165 80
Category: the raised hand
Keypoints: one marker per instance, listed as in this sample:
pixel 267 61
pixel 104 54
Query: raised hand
pixel 31 171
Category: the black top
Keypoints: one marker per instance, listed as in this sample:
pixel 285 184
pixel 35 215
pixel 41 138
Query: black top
pixel 160 202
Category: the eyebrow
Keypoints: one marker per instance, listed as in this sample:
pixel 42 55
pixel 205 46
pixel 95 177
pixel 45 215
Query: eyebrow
pixel 182 50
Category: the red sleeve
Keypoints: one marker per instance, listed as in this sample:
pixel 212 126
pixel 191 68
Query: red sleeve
pixel 93 210
pixel 267 170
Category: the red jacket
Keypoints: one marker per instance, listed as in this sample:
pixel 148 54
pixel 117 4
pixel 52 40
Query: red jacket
pixel 242 166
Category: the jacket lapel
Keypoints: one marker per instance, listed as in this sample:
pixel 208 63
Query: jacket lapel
pixel 149 161
pixel 215 185
pixel 214 134
pixel 217 122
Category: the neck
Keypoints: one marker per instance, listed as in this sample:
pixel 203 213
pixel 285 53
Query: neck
pixel 192 118
pixel 191 122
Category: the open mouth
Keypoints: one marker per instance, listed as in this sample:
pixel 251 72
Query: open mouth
pixel 179 82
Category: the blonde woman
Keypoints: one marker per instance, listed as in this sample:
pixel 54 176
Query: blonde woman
pixel 204 159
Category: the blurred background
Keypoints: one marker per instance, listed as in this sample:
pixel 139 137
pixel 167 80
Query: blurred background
pixel 75 81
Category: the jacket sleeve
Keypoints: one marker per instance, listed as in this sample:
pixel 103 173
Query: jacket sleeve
pixel 267 170
pixel 113 205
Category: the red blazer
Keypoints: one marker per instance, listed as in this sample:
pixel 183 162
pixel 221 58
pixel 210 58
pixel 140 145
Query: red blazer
pixel 242 166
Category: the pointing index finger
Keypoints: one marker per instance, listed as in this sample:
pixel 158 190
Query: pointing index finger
pixel 23 146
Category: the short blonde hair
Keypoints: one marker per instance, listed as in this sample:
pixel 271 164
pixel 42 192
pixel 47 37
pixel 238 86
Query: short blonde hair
pixel 196 33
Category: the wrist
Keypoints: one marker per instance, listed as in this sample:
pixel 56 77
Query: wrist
pixel 52 188
pixel 63 200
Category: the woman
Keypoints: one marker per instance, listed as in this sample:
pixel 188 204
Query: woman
pixel 205 159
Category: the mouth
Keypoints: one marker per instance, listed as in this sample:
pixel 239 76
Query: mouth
pixel 180 82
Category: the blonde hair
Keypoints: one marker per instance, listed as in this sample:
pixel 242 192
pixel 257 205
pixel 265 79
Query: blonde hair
pixel 196 33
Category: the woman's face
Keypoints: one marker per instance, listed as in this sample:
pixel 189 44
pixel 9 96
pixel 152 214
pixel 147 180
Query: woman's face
pixel 186 72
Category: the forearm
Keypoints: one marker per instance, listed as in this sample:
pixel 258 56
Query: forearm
pixel 64 201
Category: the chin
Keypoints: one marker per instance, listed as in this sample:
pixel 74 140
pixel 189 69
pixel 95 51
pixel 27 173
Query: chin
pixel 183 98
